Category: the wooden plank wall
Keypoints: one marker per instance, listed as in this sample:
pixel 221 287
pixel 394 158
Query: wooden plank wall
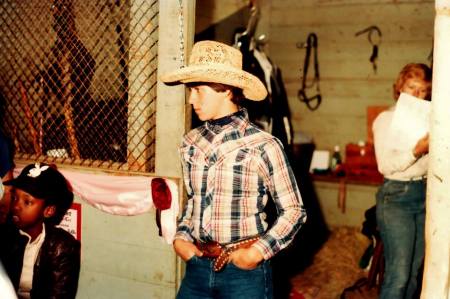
pixel 209 12
pixel 348 82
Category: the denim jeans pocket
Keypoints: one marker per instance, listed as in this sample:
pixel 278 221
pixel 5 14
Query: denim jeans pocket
pixel 192 259
pixel 391 190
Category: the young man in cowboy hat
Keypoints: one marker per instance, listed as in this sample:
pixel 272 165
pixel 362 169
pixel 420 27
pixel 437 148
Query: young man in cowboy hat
pixel 231 169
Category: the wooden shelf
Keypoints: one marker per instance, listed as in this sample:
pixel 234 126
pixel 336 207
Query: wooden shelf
pixel 361 180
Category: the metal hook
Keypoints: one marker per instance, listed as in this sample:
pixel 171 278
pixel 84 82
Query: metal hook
pixel 371 29
pixel 374 55
pixel 310 42
pixel 252 21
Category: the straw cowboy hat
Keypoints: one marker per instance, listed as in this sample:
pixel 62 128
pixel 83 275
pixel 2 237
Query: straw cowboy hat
pixel 211 61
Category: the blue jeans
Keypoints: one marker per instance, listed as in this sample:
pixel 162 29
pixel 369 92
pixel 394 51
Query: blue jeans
pixel 401 221
pixel 200 281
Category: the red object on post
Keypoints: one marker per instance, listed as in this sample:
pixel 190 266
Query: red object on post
pixel 162 199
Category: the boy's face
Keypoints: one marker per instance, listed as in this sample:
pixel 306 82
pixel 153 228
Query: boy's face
pixel 207 103
pixel 28 212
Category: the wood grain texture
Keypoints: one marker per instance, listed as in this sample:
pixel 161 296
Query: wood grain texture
pixel 348 82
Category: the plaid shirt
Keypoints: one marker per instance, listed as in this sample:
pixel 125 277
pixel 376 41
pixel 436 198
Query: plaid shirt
pixel 229 171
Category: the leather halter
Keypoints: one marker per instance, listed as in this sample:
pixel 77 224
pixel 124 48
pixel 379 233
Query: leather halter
pixel 311 44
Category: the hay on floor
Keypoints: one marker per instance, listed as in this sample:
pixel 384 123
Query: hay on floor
pixel 335 266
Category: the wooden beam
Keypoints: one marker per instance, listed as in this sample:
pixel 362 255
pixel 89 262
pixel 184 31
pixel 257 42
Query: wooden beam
pixel 436 282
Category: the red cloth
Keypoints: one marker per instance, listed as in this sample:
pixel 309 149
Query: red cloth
pixel 162 198
pixel 296 295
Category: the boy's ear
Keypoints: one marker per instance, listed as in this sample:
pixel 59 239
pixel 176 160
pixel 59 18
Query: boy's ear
pixel 49 211
pixel 227 93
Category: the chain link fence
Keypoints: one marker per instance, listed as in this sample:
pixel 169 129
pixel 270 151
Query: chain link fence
pixel 78 81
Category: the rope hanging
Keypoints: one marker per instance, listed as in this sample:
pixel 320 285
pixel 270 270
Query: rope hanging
pixel 374 56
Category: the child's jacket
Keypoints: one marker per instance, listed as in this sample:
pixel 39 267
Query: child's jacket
pixel 57 266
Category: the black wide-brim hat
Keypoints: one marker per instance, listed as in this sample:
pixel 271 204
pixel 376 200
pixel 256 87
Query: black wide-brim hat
pixel 44 182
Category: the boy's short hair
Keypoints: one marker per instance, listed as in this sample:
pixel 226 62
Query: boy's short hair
pixel 237 92
pixel 45 182
pixel 413 70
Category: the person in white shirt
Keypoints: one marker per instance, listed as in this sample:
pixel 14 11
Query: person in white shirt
pixel 401 197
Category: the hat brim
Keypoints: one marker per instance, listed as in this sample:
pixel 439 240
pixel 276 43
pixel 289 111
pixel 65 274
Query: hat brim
pixel 25 184
pixel 22 184
pixel 252 88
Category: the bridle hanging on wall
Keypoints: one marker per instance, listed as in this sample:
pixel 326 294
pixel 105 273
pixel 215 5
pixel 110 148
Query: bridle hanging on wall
pixel 375 45
pixel 310 45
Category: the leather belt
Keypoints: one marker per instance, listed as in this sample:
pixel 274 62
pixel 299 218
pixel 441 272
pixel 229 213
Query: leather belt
pixel 221 253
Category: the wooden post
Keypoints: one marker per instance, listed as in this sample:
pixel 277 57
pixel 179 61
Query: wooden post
pixel 436 282
pixel 176 35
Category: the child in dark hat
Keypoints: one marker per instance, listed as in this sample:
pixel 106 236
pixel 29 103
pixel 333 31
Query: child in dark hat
pixel 42 260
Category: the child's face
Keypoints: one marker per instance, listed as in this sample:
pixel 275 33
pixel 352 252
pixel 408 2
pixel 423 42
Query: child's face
pixel 28 213
pixel 416 87
pixel 207 103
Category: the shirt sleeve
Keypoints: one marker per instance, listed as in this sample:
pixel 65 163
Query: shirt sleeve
pixel 185 226
pixel 65 269
pixel 285 193
pixel 389 160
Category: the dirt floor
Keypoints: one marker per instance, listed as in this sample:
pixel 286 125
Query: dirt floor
pixel 335 267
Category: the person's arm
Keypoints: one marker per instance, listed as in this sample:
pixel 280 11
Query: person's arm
pixel 6 287
pixel 285 193
pixel 65 270
pixel 6 173
pixel 422 146
pixel 185 225
pixel 6 158
pixel 183 243
pixel 389 159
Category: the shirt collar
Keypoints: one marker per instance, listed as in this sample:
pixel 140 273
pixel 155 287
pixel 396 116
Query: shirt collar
pixel 38 239
pixel 237 119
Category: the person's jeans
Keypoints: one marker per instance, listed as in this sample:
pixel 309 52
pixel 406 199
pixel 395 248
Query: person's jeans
pixel 200 281
pixel 401 221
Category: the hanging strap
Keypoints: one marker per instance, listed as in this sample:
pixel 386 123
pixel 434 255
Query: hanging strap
pixel 311 102
pixel 375 44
